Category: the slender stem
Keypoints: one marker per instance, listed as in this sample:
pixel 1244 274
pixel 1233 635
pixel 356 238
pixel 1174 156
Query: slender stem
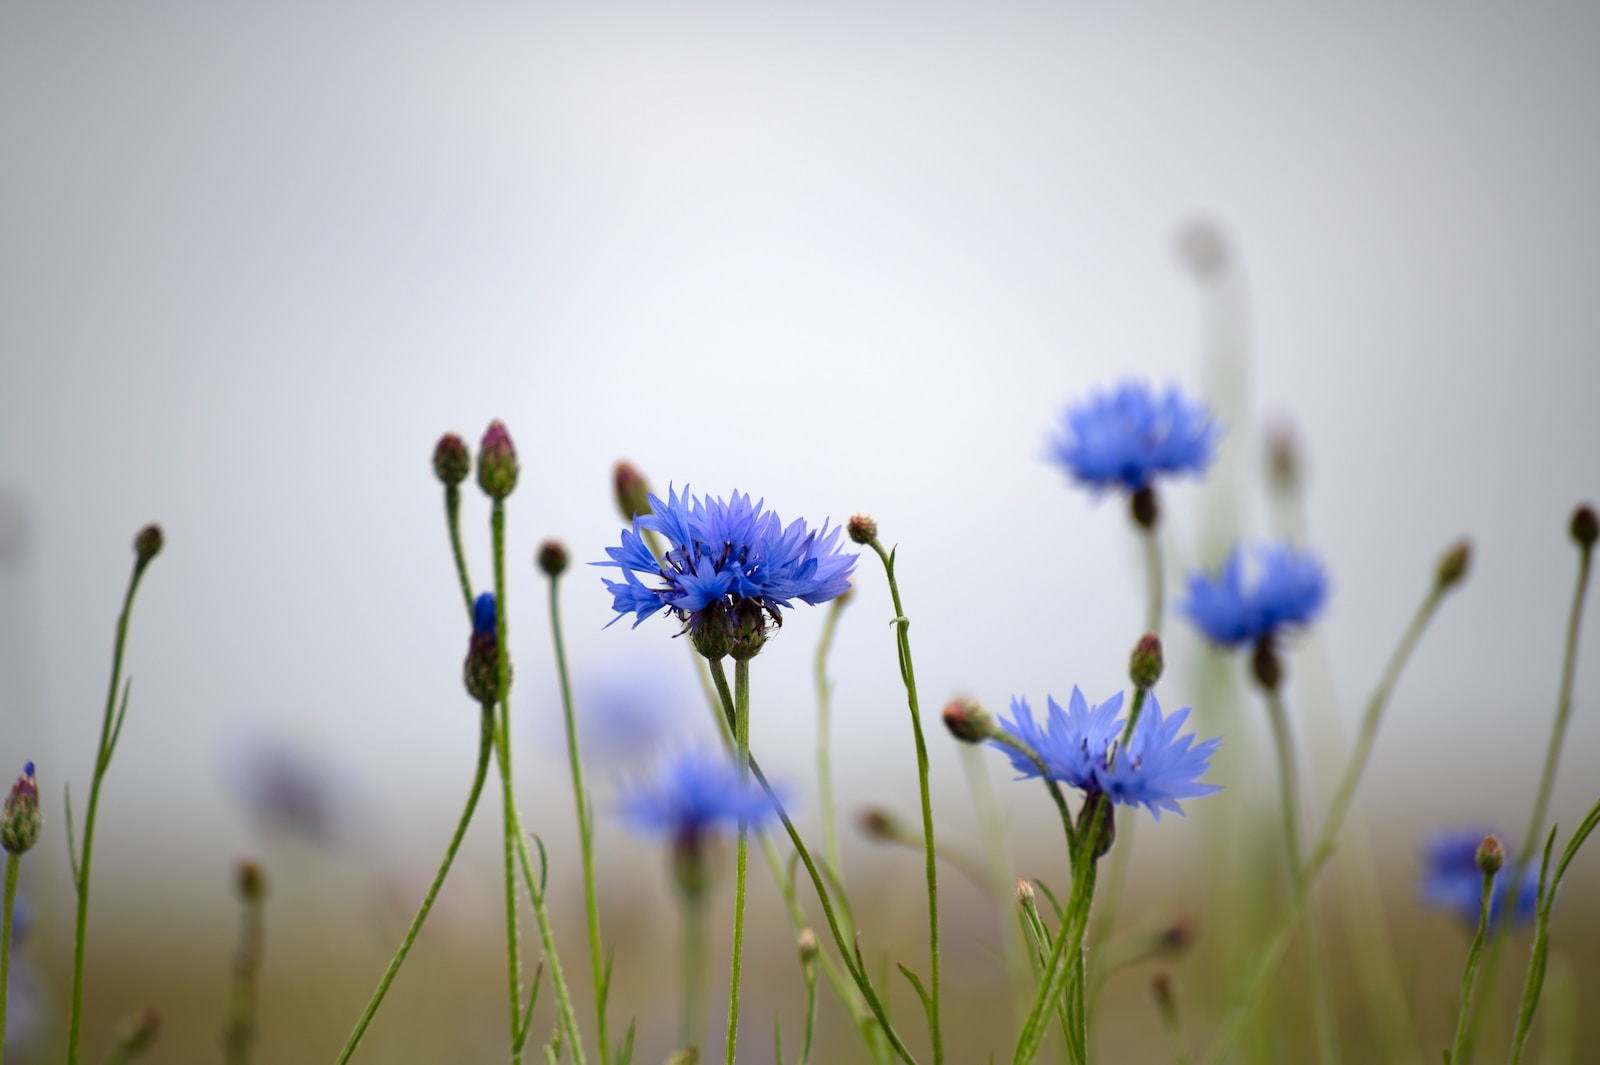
pixel 809 974
pixel 580 801
pixel 13 865
pixel 1458 1049
pixel 1167 1006
pixel 566 1018
pixel 1326 1032
pixel 1239 1015
pixel 452 513
pixel 741 742
pixel 830 833
pixel 101 764
pixel 497 520
pixel 1155 573
pixel 239 1031
pixel 695 931
pixel 1067 950
pixel 930 854
pixel 485 745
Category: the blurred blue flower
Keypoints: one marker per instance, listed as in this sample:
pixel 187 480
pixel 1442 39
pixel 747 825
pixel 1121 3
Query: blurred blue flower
pixel 693 794
pixel 1285 588
pixel 285 785
pixel 729 567
pixel 1130 436
pixel 25 997
pixel 1451 880
pixel 1158 768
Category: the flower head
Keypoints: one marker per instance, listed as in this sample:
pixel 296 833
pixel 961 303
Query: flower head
pixel 694 794
pixel 1129 437
pixel 729 568
pixel 1286 588
pixel 19 815
pixel 1079 746
pixel 1452 880
pixel 481 671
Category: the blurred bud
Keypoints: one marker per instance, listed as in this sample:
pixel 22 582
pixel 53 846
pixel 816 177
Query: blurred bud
pixel 136 1033
pixel 1177 934
pixel 249 881
pixel 147 544
pixel 879 824
pixel 451 462
pixel 1101 843
pixel 1161 988
pixel 633 491
pixel 862 529
pixel 1283 458
pixel 1267 666
pixel 1453 566
pixel 1203 249
pixel 847 596
pixel 1024 892
pixel 807 944
pixel 686 1056
pixel 497 461
pixel 482 669
pixel 689 871
pixel 1585 526
pixel 1144 508
pixel 968 722
pixel 20 820
pixel 552 558
pixel 1491 855
pixel 1144 666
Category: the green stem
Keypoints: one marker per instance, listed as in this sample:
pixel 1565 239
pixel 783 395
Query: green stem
pixel 830 834
pixel 930 855
pixel 239 1031
pixel 1238 1017
pixel 1066 953
pixel 13 865
pixel 741 742
pixel 1326 1032
pixel 566 1018
pixel 497 519
pixel 694 969
pixel 580 800
pixel 102 762
pixel 452 512
pixel 1155 572
pixel 1458 1049
pixel 485 745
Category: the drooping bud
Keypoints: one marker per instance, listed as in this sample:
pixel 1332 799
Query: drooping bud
pixel 249 881
pixel 451 461
pixel 862 529
pixel 1491 855
pixel 497 461
pixel 1145 509
pixel 1145 665
pixel 1266 665
pixel 482 670
pixel 552 558
pixel 1453 566
pixel 633 491
pixel 147 545
pixel 968 721
pixel 1585 526
pixel 20 820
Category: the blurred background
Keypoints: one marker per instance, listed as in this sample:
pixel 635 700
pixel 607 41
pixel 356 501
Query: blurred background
pixel 253 261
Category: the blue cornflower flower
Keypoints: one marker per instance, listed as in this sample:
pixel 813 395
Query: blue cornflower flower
pixel 729 568
pixel 1452 881
pixel 1128 437
pixel 694 794
pixel 483 615
pixel 482 668
pixel 1079 747
pixel 1288 589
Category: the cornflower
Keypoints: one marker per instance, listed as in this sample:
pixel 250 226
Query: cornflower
pixel 1129 437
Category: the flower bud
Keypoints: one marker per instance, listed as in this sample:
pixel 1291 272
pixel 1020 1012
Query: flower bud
pixel 1108 824
pixel 1267 666
pixel 451 462
pixel 879 824
pixel 686 1056
pixel 249 881
pixel 1491 855
pixel 862 529
pixel 739 631
pixel 1585 526
pixel 633 491
pixel 147 545
pixel 1144 508
pixel 19 815
pixel 967 721
pixel 497 461
pixel 1025 892
pixel 1161 988
pixel 482 669
pixel 1453 566
pixel 807 944
pixel 552 558
pixel 1144 667
pixel 1283 458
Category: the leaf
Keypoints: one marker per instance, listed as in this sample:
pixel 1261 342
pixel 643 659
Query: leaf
pixel 911 978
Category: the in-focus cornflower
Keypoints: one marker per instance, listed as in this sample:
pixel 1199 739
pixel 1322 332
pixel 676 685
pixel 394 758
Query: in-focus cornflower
pixel 696 794
pixel 1284 589
pixel 730 568
pixel 1079 747
pixel 1129 437
pixel 1453 882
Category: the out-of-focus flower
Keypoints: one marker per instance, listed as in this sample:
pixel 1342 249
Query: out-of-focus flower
pixel 19 815
pixel 1284 588
pixel 1129 437
pixel 730 569
pixel 25 994
pixel 1079 746
pixel 286 786
pixel 694 794
pixel 1452 880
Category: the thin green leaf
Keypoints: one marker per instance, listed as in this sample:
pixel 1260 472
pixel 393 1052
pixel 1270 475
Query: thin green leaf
pixel 527 1014
pixel 916 984
pixel 72 840
pixel 777 1040
pixel 1051 895
pixel 625 1055
pixel 116 728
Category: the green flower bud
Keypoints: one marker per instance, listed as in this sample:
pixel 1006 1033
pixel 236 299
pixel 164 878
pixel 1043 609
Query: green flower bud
pixel 862 529
pixel 1144 667
pixel 968 722
pixel 633 491
pixel 451 461
pixel 1491 855
pixel 249 881
pixel 497 461
pixel 1453 566
pixel 147 545
pixel 19 815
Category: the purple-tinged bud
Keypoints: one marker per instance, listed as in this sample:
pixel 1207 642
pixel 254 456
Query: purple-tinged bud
pixel 862 529
pixel 1267 666
pixel 1585 526
pixel 20 820
pixel 497 461
pixel 633 491
pixel 249 881
pixel 1145 665
pixel 1453 566
pixel 451 460
pixel 552 558
pixel 147 545
pixel 136 1033
pixel 1145 509
pixel 1491 855
pixel 968 721
pixel 482 669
